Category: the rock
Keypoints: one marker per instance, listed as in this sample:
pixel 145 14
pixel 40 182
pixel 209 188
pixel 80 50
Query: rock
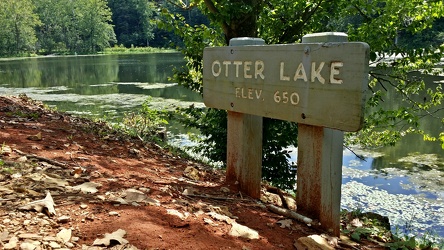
pixel 83 206
pixel 192 173
pixel 63 219
pixel 221 210
pixel 210 222
pixel 12 244
pixel 133 195
pixel 114 213
pixel 30 236
pixel 291 203
pixel 54 245
pixel 22 159
pixel 64 235
pixel 239 230
pixel 27 246
pixel 174 212
pixel 312 242
pixel 268 197
pixel 4 235
pixel 152 202
pixel 188 191
pixel 220 217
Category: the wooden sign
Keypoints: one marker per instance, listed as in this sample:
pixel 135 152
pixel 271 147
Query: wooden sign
pixel 319 84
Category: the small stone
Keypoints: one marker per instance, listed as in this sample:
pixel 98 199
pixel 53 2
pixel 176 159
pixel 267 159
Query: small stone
pixel 64 235
pixel 54 245
pixel 30 236
pixel 27 246
pixel 191 173
pixel 83 206
pixel 22 159
pixel 145 190
pixel 239 230
pixel 69 245
pixel 12 244
pixel 114 213
pixel 49 238
pixel 63 219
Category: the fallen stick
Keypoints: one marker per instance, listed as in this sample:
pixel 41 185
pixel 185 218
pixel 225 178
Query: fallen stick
pixel 292 214
pixel 210 197
pixel 53 162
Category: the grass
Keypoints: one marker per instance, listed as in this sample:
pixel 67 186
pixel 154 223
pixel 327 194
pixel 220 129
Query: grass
pixel 123 50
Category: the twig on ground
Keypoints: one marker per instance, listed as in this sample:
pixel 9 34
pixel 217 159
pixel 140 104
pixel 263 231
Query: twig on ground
pixel 40 158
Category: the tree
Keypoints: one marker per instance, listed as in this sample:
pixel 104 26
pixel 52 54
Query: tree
pixel 82 26
pixel 132 21
pixel 94 25
pixel 53 15
pixel 18 20
pixel 376 22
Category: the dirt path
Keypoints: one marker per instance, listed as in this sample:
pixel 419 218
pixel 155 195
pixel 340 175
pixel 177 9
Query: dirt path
pixel 102 183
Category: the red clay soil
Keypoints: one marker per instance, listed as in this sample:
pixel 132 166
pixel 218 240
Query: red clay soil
pixel 118 164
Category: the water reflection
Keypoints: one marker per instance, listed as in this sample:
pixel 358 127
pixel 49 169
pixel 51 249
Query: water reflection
pixel 97 85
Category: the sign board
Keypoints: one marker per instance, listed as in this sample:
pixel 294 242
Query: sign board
pixel 319 84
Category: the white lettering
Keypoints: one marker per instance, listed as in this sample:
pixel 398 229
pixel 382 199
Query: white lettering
pixel 316 73
pixel 248 93
pixel 216 73
pixel 281 73
pixel 258 93
pixel 247 67
pixel 226 63
pixel 238 64
pixel 335 71
pixel 300 73
pixel 259 69
pixel 294 98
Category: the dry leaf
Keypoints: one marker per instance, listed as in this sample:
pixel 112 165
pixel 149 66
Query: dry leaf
pixel 42 206
pixel 356 223
pixel 88 187
pixel 111 238
pixel 285 223
pixel 36 137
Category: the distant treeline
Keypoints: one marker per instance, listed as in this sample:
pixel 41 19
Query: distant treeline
pixel 89 26
pixel 82 26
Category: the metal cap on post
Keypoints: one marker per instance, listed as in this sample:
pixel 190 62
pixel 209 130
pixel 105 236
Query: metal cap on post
pixel 325 37
pixel 242 41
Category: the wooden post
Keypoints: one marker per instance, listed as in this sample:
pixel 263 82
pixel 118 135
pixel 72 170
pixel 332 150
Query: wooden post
pixel 244 143
pixel 319 174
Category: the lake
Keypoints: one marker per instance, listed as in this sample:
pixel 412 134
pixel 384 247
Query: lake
pixel 404 182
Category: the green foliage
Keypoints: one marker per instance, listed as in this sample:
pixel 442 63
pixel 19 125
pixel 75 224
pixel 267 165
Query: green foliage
pixel 54 26
pixel 380 24
pixel 132 21
pixel 145 124
pixel 17 22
